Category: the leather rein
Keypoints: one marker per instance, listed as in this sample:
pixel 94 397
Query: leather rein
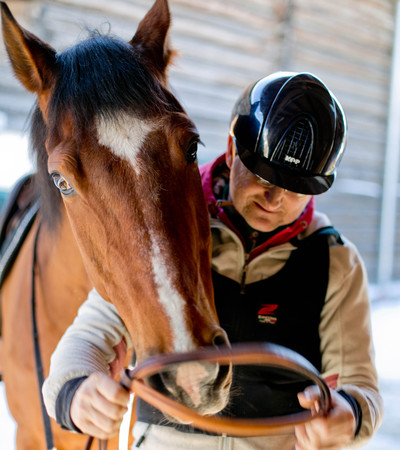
pixel 38 358
pixel 239 354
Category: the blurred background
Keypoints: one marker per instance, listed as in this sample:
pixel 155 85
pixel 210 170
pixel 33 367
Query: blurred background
pixel 224 45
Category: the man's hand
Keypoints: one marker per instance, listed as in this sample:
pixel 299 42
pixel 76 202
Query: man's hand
pixel 99 405
pixel 332 432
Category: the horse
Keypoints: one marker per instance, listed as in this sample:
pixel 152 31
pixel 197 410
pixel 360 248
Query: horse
pixel 121 209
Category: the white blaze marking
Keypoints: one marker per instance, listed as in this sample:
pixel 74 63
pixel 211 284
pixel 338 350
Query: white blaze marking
pixel 189 376
pixel 174 304
pixel 124 136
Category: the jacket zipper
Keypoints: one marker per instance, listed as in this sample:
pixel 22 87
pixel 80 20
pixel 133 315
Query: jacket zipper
pixel 253 237
pixel 225 442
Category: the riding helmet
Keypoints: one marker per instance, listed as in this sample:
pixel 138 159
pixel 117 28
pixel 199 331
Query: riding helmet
pixel 290 130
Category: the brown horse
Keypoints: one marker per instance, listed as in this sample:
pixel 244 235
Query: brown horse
pixel 122 210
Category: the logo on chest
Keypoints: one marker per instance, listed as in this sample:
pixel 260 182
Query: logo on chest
pixel 267 314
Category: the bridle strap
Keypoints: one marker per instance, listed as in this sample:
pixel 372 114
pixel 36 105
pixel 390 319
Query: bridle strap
pixel 253 353
pixel 89 443
pixel 102 443
pixel 38 358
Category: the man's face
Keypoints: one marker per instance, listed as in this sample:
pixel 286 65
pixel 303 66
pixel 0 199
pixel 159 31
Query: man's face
pixel 264 206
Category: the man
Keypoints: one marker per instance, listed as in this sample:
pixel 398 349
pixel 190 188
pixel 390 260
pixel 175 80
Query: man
pixel 281 273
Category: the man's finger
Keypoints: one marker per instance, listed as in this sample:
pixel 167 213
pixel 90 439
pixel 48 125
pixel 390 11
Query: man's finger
pixel 310 398
pixel 112 390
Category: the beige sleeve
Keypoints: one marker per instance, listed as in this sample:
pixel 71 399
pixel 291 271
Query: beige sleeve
pixel 86 346
pixel 346 337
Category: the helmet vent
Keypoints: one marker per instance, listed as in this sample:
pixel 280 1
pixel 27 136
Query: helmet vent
pixel 295 147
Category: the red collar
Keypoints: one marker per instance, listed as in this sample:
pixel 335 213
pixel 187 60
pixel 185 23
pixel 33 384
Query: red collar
pixel 289 232
pixel 216 210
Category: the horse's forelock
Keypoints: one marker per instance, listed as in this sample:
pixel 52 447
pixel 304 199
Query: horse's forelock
pixel 101 76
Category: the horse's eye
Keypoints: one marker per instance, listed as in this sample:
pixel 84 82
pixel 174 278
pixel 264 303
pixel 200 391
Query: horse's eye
pixel 62 184
pixel 191 152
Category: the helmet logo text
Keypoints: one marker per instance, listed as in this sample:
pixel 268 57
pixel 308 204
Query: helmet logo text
pixel 290 159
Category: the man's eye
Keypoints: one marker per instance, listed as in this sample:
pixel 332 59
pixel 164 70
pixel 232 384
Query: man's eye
pixel 62 184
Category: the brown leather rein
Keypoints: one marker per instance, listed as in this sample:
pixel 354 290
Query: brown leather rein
pixel 239 354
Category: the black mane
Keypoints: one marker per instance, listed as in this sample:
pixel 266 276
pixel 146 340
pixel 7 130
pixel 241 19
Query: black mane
pixel 103 75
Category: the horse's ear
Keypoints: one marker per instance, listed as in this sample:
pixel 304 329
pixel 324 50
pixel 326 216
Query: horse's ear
pixel 151 38
pixel 33 60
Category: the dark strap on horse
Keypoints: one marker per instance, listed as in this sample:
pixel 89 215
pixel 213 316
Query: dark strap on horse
pixel 11 204
pixel 38 357
pixel 102 443
pixel 16 220
pixel 10 249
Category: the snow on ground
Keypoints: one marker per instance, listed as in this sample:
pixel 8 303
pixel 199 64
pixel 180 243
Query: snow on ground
pixel 386 332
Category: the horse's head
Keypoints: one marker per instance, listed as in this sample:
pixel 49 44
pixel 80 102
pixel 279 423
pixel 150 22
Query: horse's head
pixel 122 152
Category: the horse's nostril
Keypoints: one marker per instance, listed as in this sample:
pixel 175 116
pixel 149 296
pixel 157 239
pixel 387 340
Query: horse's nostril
pixel 221 339
pixel 158 383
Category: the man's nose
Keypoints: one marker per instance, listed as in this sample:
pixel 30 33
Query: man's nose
pixel 274 196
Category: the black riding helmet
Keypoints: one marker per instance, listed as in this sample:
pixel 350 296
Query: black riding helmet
pixel 290 130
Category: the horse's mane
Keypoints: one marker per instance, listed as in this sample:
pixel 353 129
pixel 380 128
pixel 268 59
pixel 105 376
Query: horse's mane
pixel 50 199
pixel 101 76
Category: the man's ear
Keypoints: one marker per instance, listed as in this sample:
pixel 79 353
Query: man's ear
pixel 230 152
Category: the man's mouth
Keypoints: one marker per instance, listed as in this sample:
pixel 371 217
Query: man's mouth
pixel 262 208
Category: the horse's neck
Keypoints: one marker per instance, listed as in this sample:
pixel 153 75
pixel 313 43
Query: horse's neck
pixel 62 278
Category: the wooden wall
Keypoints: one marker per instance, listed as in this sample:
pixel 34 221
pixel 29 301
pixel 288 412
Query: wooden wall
pixel 225 45
pixel 349 45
